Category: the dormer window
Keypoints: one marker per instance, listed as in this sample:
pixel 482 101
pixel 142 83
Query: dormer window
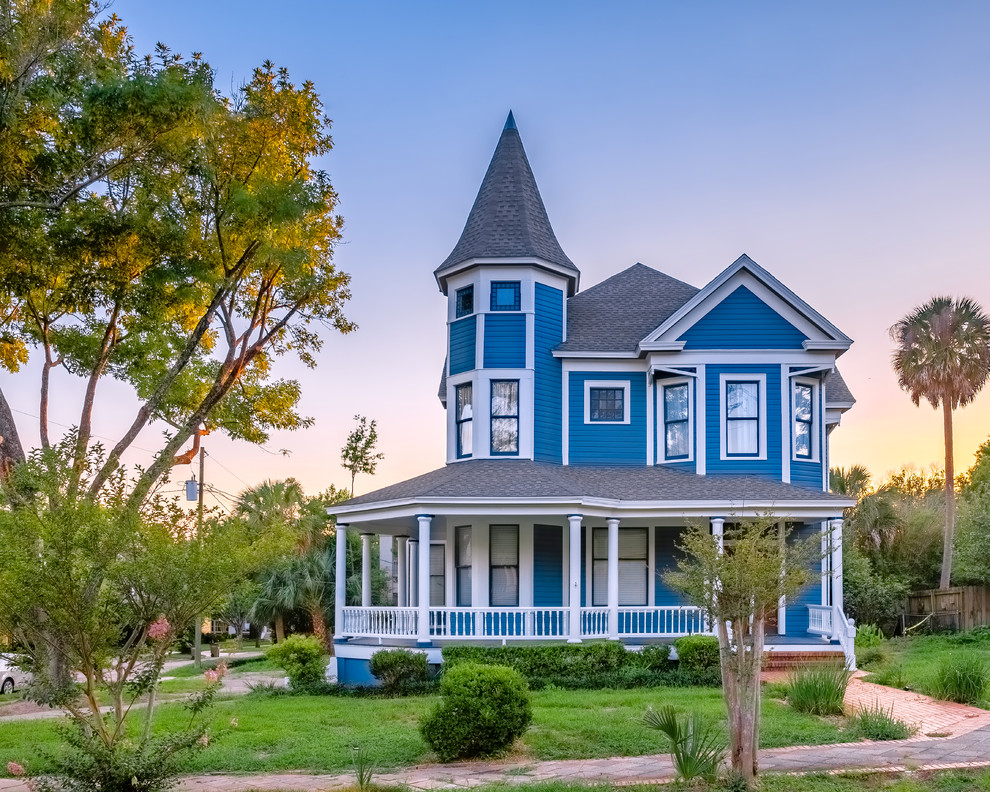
pixel 505 295
pixel 464 301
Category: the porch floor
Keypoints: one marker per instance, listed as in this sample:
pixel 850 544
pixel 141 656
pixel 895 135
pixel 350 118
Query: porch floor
pixel 411 643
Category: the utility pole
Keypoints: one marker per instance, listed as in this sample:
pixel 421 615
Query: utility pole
pixel 198 627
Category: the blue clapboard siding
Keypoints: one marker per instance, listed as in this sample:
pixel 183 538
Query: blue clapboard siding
pixel 607 444
pixel 505 340
pixel 548 566
pixel 769 467
pixel 797 606
pixel 806 474
pixel 548 385
pixel 667 556
pixel 742 321
pixel 463 338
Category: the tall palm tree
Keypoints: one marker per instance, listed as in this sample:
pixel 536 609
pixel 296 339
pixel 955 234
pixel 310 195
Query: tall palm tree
pixel 942 355
pixel 853 481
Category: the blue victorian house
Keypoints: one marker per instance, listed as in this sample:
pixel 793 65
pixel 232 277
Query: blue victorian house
pixel 585 430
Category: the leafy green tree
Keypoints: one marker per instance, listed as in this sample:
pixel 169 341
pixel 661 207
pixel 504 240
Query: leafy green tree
pixel 739 587
pixel 942 355
pixel 358 454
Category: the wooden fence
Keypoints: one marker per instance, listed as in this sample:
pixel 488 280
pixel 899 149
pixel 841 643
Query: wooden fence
pixel 958 608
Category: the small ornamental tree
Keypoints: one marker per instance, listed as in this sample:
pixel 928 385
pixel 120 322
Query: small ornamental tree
pixel 358 454
pixel 739 586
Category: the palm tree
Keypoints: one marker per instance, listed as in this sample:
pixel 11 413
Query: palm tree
pixel 853 481
pixel 942 355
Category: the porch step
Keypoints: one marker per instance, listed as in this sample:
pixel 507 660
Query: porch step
pixel 778 660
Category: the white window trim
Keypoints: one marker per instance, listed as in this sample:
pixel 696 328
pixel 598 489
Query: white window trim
pixel 815 419
pixel 614 385
pixel 661 422
pixel 723 429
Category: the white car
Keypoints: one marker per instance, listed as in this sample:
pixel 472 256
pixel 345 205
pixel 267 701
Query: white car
pixel 11 677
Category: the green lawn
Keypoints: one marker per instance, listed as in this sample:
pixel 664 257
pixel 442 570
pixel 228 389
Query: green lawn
pixel 913 659
pixel 316 733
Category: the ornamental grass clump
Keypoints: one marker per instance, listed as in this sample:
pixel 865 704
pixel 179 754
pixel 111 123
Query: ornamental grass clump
pixel 818 689
pixel 483 709
pixel 963 678
pixel 876 723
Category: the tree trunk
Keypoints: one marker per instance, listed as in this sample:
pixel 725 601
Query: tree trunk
pixel 279 628
pixel 741 690
pixel 11 451
pixel 319 625
pixel 948 536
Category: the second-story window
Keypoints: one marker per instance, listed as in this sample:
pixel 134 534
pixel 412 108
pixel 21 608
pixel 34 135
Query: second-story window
pixel 505 417
pixel 465 301
pixel 607 404
pixel 676 422
pixel 742 418
pixel 505 295
pixel 463 419
pixel 804 419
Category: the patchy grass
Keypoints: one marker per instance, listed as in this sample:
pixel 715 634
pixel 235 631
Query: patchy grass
pixel 316 733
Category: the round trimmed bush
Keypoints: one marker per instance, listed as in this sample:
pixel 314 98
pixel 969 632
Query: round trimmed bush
pixel 697 652
pixel 399 669
pixel 302 659
pixel 483 710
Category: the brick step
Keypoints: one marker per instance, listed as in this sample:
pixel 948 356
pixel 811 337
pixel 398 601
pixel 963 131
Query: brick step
pixel 776 661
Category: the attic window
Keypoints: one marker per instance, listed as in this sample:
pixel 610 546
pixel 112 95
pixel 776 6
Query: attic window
pixel 465 301
pixel 505 295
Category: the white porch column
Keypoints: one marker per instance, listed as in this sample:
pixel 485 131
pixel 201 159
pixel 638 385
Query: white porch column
pixel 613 578
pixel 782 604
pixel 836 526
pixel 718 525
pixel 574 587
pixel 340 582
pixel 423 618
pixel 365 570
pixel 400 583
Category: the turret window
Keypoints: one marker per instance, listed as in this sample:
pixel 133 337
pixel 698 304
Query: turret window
pixel 465 301
pixel 505 417
pixel 463 419
pixel 505 295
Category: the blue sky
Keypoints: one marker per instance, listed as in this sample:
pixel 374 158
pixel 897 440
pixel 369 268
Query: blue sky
pixel 842 145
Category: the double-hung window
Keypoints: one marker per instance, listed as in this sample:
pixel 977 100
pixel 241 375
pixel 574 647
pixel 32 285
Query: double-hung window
pixel 744 417
pixel 503 555
pixel 676 421
pixel 633 567
pixel 462 560
pixel 803 398
pixel 464 301
pixel 505 417
pixel 505 296
pixel 463 418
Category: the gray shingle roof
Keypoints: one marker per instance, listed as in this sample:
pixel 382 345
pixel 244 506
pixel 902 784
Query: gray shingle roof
pixel 521 478
pixel 836 390
pixel 508 219
pixel 618 313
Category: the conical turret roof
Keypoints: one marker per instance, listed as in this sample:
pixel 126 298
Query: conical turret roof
pixel 508 219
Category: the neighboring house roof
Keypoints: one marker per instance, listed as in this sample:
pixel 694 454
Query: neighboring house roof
pixel 616 314
pixel 836 390
pixel 497 479
pixel 508 219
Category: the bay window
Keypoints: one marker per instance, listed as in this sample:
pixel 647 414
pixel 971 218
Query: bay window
pixel 505 417
pixel 463 418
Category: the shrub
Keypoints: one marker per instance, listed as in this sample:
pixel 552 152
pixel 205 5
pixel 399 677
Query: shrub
pixel 964 678
pixel 696 744
pixel 872 656
pixel 876 723
pixel 697 652
pixel 483 710
pixel 399 669
pixel 818 689
pixel 868 635
pixel 655 657
pixel 302 659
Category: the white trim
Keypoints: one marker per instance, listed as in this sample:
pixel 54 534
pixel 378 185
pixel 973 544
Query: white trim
pixel 785 426
pixel 573 276
pixel 815 386
pixel 594 355
pixel 701 414
pixel 661 438
pixel 651 410
pixel 763 416
pixel 618 384
pixel 565 418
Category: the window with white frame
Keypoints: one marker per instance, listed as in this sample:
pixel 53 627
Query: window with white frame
pixel 463 418
pixel 804 404
pixel 676 421
pixel 743 402
pixel 503 559
pixel 633 566
pixel 462 561
pixel 505 417
pixel 606 402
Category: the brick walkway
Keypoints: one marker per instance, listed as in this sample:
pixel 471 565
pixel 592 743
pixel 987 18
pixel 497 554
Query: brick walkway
pixel 965 742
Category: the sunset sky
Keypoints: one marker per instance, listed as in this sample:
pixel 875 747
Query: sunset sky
pixel 844 146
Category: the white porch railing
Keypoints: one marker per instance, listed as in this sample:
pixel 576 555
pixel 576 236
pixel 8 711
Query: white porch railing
pixel 380 622
pixel 515 623
pixel 828 620
pixel 820 619
pixel 662 622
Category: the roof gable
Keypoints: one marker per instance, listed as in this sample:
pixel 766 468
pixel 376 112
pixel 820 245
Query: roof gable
pixel 818 332
pixel 742 321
